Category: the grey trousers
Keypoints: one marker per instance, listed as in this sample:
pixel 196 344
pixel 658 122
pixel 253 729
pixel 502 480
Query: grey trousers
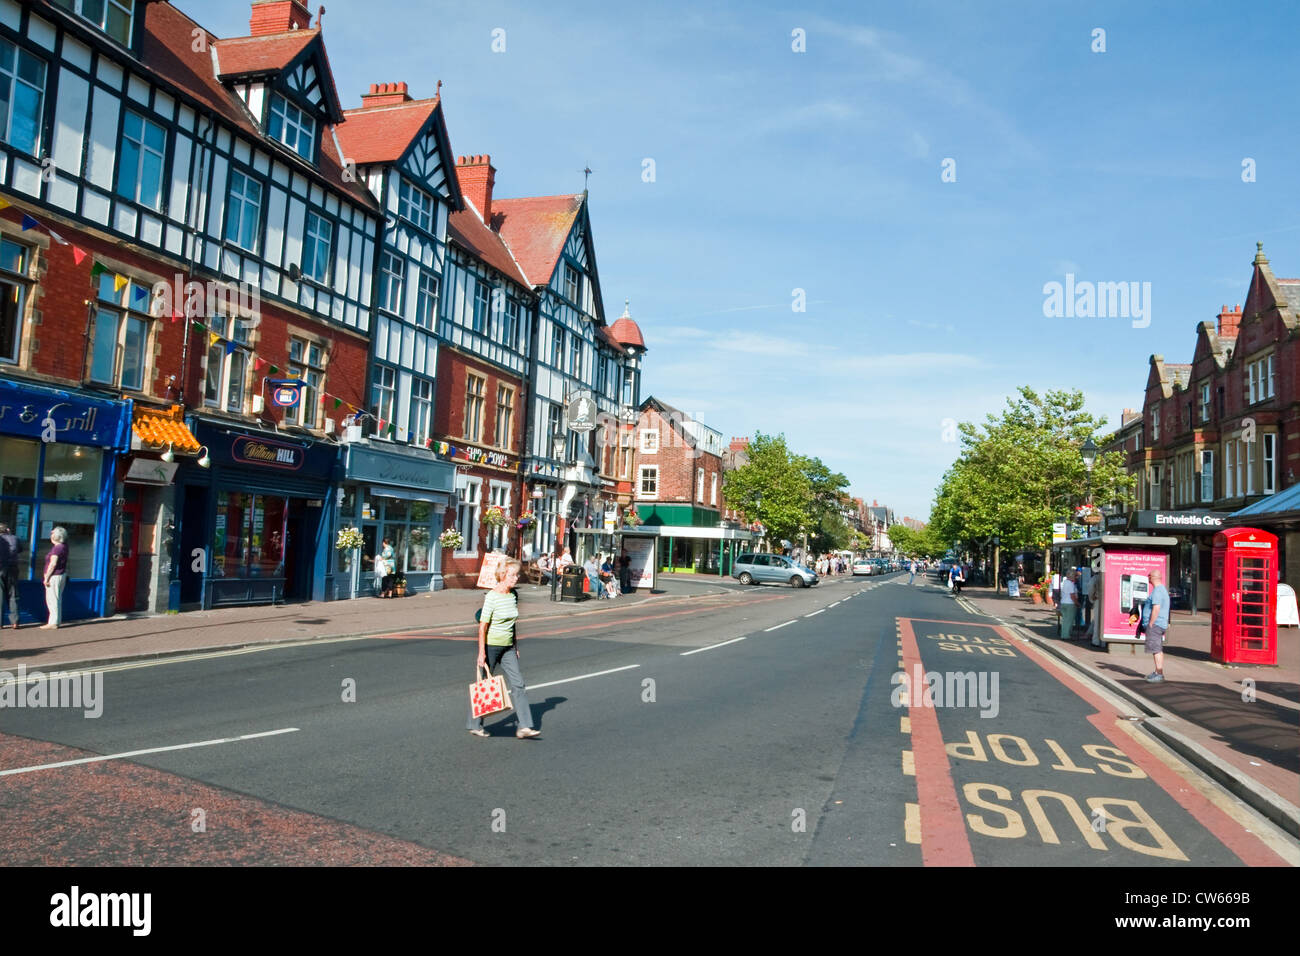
pixel 509 661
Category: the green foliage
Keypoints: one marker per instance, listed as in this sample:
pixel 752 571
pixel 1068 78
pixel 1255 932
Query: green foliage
pixel 799 494
pixel 1020 471
pixel 914 543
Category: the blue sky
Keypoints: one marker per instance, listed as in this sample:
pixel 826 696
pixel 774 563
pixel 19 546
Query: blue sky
pixel 821 171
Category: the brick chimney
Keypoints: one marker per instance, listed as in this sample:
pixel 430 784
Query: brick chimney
pixel 385 94
pixel 477 176
pixel 739 444
pixel 278 16
pixel 1229 322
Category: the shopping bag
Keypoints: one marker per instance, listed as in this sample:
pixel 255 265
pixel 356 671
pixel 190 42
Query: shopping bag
pixel 489 695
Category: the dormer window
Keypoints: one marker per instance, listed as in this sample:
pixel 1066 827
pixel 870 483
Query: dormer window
pixel 293 127
pixel 111 16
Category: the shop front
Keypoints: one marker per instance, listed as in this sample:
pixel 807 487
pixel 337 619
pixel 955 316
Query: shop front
pixel 396 495
pixel 254 524
pixel 1190 569
pixel 58 457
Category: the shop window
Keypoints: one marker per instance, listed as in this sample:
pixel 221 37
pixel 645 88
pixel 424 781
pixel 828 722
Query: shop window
pixel 79 521
pixel 22 98
pixel 499 495
pixel 14 286
pixel 71 472
pixel 467 514
pixel 420 537
pixel 307 363
pixel 19 461
pixel 120 334
pixel 248 538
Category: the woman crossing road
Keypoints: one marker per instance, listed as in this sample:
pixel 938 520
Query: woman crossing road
pixel 496 645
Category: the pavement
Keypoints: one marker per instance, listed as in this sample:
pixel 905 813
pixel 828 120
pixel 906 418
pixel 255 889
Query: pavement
pixel 1238 723
pixel 130 637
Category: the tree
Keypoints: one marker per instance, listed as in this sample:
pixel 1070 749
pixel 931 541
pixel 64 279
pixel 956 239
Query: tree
pixel 1022 470
pixel 827 529
pixel 915 542
pixel 776 476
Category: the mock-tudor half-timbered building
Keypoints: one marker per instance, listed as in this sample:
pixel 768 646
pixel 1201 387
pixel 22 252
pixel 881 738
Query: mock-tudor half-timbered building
pixel 180 230
pixel 396 486
pixel 486 330
pixel 576 354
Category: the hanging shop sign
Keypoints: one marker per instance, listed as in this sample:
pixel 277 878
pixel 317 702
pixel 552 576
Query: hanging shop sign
pixel 285 392
pixel 580 413
pixel 151 471
pixel 484 457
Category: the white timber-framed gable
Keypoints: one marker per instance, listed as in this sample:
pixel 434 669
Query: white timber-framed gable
pixel 102 165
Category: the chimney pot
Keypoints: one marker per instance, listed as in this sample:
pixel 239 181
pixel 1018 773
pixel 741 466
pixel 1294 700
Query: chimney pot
pixel 278 16
pixel 477 176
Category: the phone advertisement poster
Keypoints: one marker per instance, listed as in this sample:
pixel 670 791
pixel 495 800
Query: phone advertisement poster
pixel 1127 583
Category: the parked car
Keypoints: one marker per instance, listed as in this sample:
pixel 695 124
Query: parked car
pixel 863 566
pixel 775 568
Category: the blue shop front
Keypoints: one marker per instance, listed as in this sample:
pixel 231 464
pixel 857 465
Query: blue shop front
pixel 58 459
pixel 395 492
pixel 254 525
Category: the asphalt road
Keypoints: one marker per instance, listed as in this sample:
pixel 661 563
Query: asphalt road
pixel 741 726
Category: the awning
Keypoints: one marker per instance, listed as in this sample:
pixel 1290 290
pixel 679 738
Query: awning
pixel 1283 507
pixel 154 430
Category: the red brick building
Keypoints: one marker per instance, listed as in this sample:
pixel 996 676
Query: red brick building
pixel 1223 431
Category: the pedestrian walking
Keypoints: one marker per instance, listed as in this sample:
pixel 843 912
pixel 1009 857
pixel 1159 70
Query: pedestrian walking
pixel 1154 614
pixel 1056 587
pixel 56 577
pixel 9 548
pixel 911 572
pixel 1068 605
pixel 625 573
pixel 389 557
pixel 498 644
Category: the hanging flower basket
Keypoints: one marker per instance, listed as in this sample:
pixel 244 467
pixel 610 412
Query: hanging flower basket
pixel 451 538
pixel 1088 514
pixel 631 519
pixel 526 519
pixel 349 539
pixel 495 517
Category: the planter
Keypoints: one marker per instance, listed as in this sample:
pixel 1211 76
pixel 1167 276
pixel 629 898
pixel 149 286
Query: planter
pixel 401 592
pixel 1036 597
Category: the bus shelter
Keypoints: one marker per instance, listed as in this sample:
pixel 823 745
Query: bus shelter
pixel 1124 563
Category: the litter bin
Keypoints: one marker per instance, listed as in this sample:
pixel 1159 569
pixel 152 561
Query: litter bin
pixel 571 583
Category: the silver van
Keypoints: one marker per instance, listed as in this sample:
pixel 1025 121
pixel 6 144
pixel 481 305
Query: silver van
pixel 775 568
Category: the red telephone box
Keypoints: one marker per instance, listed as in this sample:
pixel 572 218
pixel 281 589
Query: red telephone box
pixel 1243 602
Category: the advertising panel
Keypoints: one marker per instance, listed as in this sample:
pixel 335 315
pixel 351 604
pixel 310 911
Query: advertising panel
pixel 641 551
pixel 1126 580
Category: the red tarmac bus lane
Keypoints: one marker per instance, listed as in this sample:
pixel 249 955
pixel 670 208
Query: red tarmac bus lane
pixel 944 838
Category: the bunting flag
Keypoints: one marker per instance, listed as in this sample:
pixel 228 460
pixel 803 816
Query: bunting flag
pixel 275 369
pixel 119 283
pixel 78 254
pixel 29 222
pixel 231 346
pixel 213 338
pixel 139 293
pixel 195 323
pixel 4 203
pixel 57 238
pixel 392 428
pixel 98 269
pixel 337 402
pixel 382 424
pixel 259 364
